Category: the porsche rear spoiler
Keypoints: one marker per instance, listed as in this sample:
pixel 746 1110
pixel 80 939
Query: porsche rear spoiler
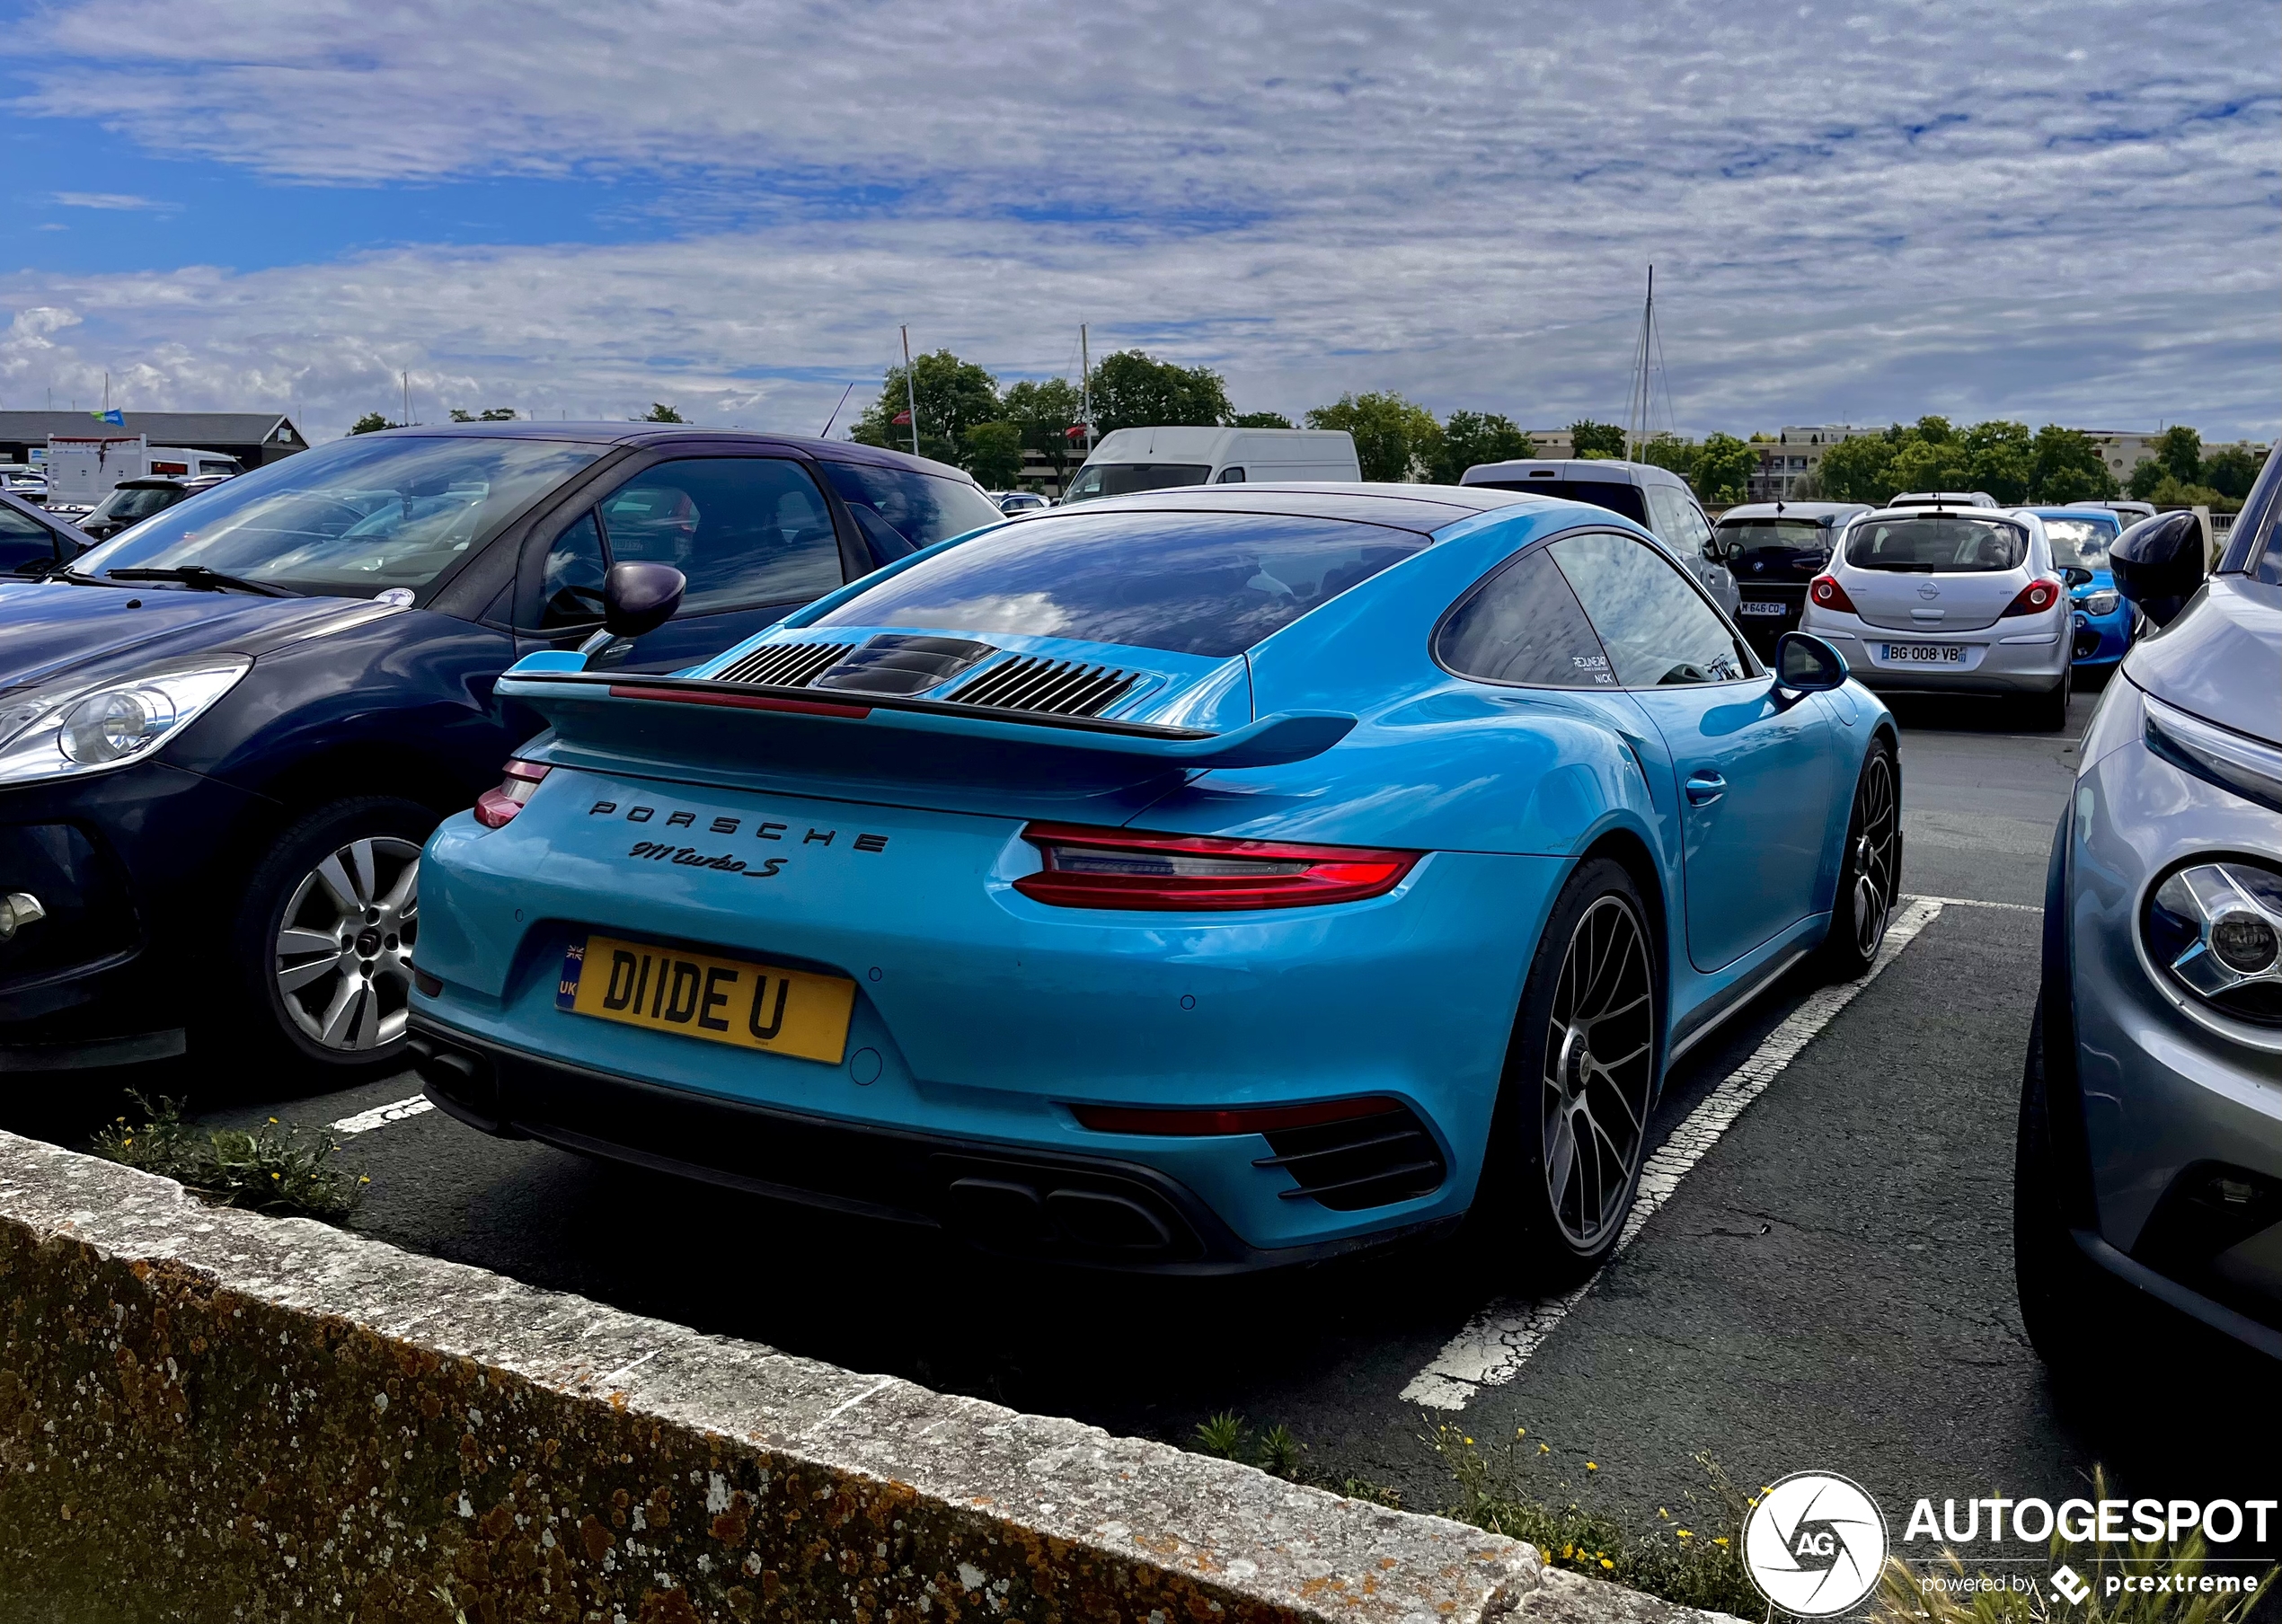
pixel 641 724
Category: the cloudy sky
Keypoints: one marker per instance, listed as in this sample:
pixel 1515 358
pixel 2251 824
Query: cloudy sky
pixel 1858 212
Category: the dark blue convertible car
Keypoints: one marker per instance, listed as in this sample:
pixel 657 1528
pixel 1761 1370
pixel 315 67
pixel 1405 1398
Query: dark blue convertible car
pixel 324 636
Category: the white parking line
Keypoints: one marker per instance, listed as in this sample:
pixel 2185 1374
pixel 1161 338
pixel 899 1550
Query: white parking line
pixel 1500 1339
pixel 1974 902
pixel 381 1116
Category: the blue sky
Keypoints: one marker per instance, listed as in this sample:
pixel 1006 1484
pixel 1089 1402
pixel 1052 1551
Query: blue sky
pixel 2047 211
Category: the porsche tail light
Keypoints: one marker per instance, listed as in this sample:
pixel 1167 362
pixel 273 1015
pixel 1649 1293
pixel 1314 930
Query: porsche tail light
pixel 2035 598
pixel 1827 594
pixel 1182 873
pixel 494 807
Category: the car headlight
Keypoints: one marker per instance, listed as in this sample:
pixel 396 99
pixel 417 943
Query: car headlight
pixel 2100 602
pixel 2215 929
pixel 59 730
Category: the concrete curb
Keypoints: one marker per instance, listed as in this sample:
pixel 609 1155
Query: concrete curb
pixel 207 1414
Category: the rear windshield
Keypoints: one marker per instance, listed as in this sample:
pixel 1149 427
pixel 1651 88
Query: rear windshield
pixel 1625 499
pixel 353 518
pixel 1210 584
pixel 136 501
pixel 1944 542
pixel 1123 478
pixel 2077 540
pixel 924 508
pixel 1776 539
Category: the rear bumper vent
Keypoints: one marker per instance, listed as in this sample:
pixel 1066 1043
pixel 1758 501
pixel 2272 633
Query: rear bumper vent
pixel 784 665
pixel 1363 1162
pixel 1049 686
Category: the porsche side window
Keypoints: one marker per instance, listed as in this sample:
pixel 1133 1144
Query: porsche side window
pixel 1656 627
pixel 570 594
pixel 744 530
pixel 1523 625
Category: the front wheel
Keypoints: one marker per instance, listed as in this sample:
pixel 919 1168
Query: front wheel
pixel 324 937
pixel 1870 870
pixel 1580 1077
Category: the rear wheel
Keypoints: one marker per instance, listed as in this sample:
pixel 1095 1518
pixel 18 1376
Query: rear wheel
pixel 1580 1077
pixel 2048 712
pixel 1870 873
pixel 323 939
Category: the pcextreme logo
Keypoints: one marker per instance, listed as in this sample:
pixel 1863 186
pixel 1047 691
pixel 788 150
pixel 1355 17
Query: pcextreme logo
pixel 1815 1544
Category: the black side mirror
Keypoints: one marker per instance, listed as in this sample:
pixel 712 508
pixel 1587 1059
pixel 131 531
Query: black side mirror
pixel 635 598
pixel 1808 664
pixel 2158 564
pixel 2075 575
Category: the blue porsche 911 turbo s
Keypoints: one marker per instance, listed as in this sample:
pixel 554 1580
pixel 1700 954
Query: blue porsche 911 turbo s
pixel 1196 880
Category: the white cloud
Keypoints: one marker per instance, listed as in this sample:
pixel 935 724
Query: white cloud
pixel 113 200
pixel 1937 205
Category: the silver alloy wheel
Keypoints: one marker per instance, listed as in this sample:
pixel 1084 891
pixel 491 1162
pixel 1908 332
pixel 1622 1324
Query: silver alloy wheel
pixel 1874 856
pixel 344 947
pixel 1600 1055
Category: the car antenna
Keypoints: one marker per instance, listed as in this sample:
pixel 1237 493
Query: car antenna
pixel 835 417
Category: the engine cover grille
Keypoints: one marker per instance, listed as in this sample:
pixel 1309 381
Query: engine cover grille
pixel 784 665
pixel 1049 686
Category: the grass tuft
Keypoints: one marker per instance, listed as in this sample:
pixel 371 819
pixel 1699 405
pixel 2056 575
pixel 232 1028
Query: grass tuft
pixel 272 1169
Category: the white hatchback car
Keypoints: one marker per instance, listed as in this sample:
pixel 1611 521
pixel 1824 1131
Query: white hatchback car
pixel 1949 600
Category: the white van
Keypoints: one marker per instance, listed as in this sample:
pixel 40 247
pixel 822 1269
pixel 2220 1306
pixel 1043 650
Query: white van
pixel 83 469
pixel 1154 459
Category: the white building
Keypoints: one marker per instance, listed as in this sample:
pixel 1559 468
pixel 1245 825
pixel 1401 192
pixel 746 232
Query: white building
pixel 1793 454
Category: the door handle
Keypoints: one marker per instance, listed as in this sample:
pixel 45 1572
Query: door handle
pixel 1705 786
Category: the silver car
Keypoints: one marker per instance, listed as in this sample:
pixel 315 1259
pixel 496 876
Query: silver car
pixel 2150 1156
pixel 1960 600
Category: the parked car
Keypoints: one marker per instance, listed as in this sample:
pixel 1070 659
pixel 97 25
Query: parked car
pixel 1129 460
pixel 33 541
pixel 2149 1167
pixel 1019 504
pixel 131 501
pixel 1773 550
pixel 1949 600
pixel 1653 497
pixel 225 733
pixel 1944 498
pixel 2102 619
pixel 2130 512
pixel 1194 881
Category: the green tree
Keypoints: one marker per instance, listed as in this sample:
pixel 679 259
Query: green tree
pixel 1135 391
pixel 2067 467
pixel 1724 468
pixel 658 413
pixel 1044 410
pixel 372 422
pixel 2170 492
pixel 1589 439
pixel 2000 459
pixel 1261 419
pixel 994 454
pixel 2179 449
pixel 1471 438
pixel 506 414
pixel 2147 476
pixel 1933 464
pixel 2232 472
pixel 954 395
pixel 1675 452
pixel 1395 440
pixel 1862 469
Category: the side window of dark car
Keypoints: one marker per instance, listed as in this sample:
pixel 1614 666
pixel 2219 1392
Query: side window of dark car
pixel 1654 623
pixel 1523 625
pixel 27 546
pixel 744 530
pixel 570 590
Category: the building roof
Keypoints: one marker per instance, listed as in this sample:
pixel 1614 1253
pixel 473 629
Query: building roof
pixel 161 427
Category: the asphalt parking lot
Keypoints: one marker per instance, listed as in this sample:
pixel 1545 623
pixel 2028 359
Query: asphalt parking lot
pixel 1827 1282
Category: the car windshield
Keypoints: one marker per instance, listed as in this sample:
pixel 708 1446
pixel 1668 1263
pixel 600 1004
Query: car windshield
pixel 1946 543
pixel 1616 495
pixel 136 501
pixel 2077 540
pixel 353 518
pixel 1124 478
pixel 1208 584
pixel 924 508
pixel 1782 539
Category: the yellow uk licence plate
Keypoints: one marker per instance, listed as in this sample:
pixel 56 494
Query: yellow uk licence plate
pixel 754 1006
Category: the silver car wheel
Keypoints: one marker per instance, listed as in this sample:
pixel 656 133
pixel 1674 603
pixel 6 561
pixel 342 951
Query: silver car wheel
pixel 1600 1051
pixel 344 947
pixel 1874 856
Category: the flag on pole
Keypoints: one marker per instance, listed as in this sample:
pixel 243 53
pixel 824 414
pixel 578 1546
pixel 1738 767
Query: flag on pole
pixel 114 417
pixel 1075 431
pixel 902 419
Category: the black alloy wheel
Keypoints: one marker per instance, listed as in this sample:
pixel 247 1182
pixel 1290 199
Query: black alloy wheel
pixel 1869 872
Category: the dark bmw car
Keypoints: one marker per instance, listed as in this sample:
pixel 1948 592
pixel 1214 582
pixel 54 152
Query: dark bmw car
pixel 225 735
pixel 1774 549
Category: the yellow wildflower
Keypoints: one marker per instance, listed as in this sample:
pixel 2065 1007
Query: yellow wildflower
pixel 1607 1563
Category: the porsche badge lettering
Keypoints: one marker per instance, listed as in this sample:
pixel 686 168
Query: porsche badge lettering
pixel 727 862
